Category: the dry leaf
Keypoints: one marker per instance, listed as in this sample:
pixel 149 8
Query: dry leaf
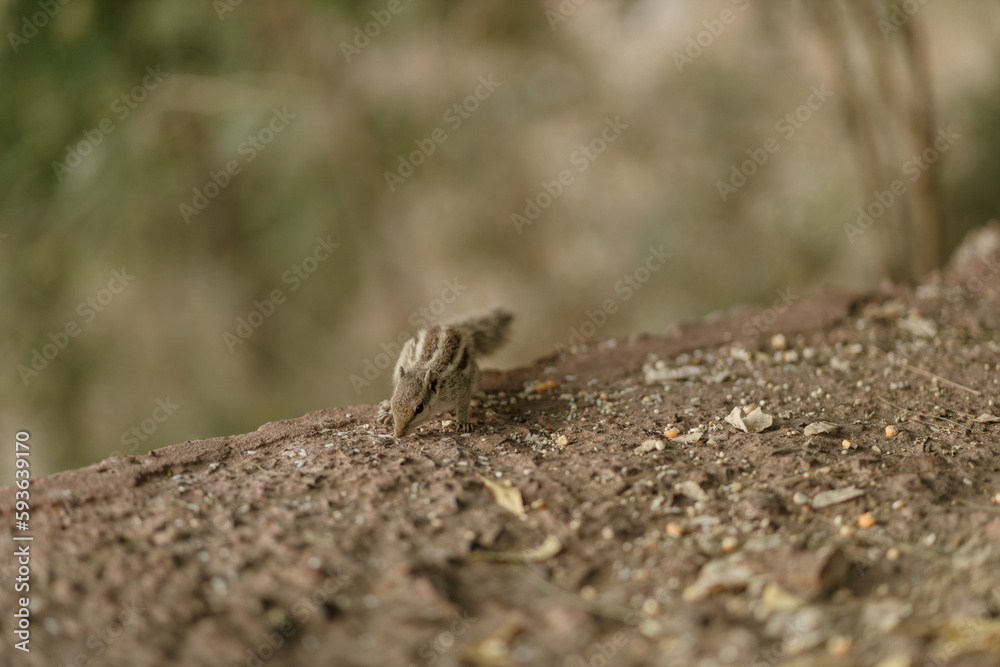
pixel 494 649
pixel 690 438
pixel 692 490
pixel 506 495
pixel 775 598
pixel 971 634
pixel 754 421
pixel 918 326
pixel 718 576
pixel 835 497
pixel 820 427
pixel 659 375
pixel 544 551
pixel 717 377
pixel 987 418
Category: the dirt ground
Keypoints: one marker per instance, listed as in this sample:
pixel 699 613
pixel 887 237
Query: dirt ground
pixel 652 531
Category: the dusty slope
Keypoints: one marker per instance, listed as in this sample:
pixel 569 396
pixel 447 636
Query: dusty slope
pixel 320 540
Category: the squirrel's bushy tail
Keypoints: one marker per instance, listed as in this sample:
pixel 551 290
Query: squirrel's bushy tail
pixel 487 331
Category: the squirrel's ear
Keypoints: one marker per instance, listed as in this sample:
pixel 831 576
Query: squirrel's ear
pixel 432 380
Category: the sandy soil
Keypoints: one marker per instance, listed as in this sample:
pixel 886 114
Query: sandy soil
pixel 653 532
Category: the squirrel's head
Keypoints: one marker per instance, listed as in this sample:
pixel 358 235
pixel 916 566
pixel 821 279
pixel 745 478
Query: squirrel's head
pixel 413 399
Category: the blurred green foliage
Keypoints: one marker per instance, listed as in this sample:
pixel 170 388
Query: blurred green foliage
pixel 359 107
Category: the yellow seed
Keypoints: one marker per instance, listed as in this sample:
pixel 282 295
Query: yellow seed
pixel 562 441
pixel 866 521
pixel 729 543
pixel 891 431
pixel 673 530
pixel 671 432
pixel 846 444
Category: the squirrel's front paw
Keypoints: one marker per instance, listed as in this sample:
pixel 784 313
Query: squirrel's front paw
pixel 384 412
pixel 465 427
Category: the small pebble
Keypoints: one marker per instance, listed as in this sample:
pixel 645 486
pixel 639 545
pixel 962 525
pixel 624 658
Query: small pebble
pixel 650 445
pixel 839 646
pixel 800 498
pixel 729 543
pixel 778 342
pixel 892 553
pixel 562 441
pixel 846 444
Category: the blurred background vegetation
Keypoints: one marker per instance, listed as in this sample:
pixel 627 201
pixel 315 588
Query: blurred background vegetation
pixel 326 112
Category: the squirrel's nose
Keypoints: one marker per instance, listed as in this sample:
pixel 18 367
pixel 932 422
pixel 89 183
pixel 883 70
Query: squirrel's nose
pixel 400 431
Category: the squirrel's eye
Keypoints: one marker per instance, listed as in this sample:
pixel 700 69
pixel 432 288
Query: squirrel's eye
pixel 420 408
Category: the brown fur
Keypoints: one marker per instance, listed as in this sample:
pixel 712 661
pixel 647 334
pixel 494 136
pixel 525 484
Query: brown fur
pixel 438 371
